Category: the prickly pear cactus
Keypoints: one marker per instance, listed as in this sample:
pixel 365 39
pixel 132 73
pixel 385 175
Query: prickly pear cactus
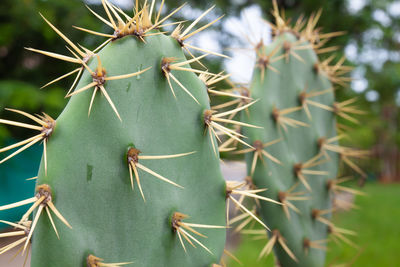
pixel 137 119
pixel 296 156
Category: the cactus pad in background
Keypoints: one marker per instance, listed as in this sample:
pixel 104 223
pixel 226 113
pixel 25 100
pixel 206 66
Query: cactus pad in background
pixel 296 156
pixel 149 126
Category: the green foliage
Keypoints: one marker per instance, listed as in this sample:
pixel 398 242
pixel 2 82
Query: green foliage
pixel 22 72
pixel 25 96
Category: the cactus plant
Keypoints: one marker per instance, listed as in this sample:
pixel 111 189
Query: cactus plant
pixel 297 154
pixel 150 125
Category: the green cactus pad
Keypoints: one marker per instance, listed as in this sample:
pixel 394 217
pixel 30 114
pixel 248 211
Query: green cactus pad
pixel 145 130
pixel 89 174
pixel 290 89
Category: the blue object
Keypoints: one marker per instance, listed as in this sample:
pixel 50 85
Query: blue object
pixel 13 184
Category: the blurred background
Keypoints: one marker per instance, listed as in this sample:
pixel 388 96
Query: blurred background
pixel 371 45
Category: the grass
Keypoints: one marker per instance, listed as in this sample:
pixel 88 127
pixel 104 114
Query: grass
pixel 377 223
